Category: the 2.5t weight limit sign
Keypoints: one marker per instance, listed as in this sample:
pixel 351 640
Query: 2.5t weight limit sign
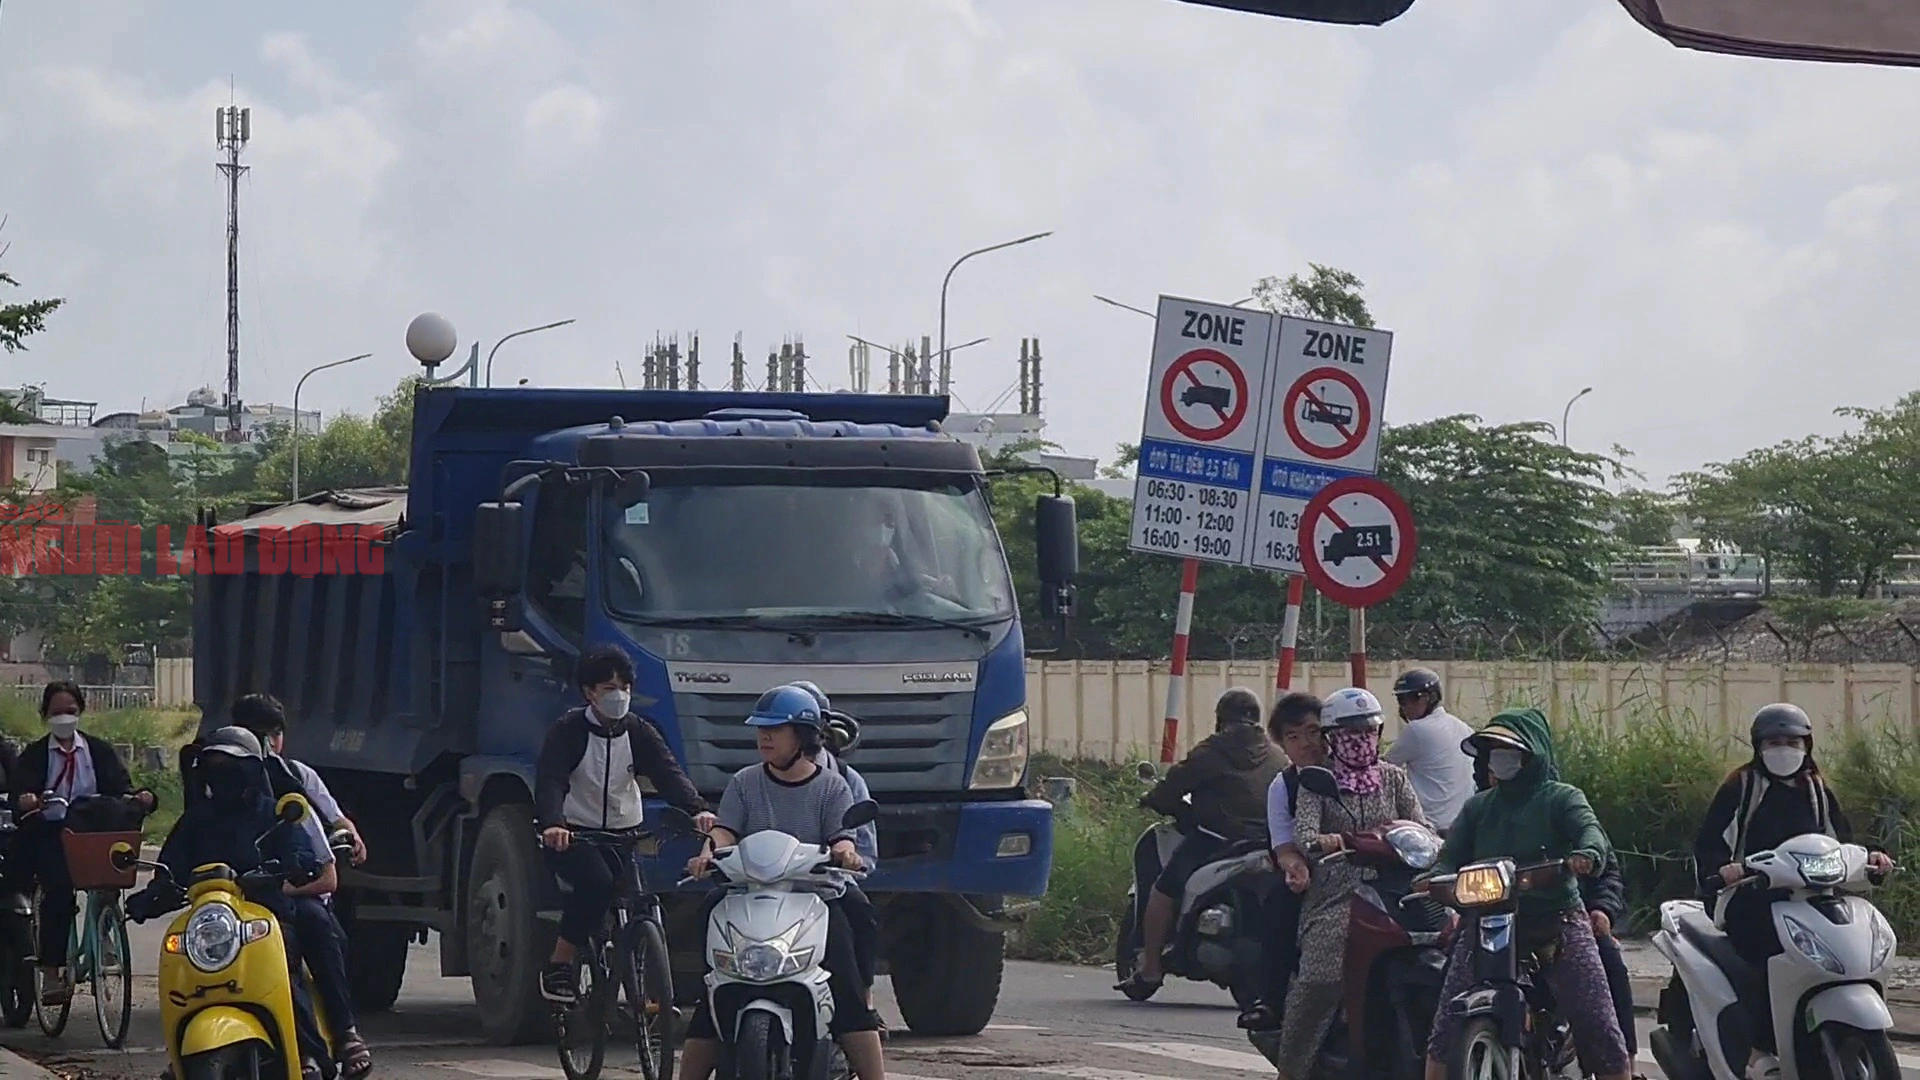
pixel 1357 541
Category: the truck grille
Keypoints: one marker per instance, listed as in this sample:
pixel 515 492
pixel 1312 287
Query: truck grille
pixel 908 742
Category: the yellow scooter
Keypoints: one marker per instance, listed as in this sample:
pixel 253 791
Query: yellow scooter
pixel 226 1002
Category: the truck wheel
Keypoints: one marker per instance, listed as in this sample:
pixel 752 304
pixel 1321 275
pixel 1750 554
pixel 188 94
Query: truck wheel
pixel 377 964
pixel 952 988
pixel 506 943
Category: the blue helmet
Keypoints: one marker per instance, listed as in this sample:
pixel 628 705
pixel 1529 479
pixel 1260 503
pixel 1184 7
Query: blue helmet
pixel 789 704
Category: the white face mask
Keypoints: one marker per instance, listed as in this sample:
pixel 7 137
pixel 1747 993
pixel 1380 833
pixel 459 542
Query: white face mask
pixel 1504 762
pixel 1783 761
pixel 612 705
pixel 63 725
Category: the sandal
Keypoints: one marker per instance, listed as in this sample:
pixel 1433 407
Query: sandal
pixel 1138 987
pixel 355 1059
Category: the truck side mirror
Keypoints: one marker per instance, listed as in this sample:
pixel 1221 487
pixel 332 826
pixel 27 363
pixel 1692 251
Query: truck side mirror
pixel 1056 537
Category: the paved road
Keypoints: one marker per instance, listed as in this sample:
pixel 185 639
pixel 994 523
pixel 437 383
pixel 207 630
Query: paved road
pixel 1054 1021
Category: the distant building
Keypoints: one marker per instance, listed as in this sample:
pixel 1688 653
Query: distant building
pixel 83 438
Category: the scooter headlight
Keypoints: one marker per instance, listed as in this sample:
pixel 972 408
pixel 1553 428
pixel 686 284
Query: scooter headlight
pixel 1883 940
pixel 1828 869
pixel 213 938
pixel 1810 945
pixel 763 961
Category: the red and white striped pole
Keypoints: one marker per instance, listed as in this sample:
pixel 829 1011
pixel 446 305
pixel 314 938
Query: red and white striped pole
pixel 1357 645
pixel 1177 671
pixel 1290 632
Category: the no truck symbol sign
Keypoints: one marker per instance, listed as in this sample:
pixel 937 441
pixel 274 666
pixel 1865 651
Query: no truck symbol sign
pixel 1203 395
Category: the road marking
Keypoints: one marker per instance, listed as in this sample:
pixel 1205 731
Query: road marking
pixel 1908 1062
pixel 1086 1072
pixel 1210 1056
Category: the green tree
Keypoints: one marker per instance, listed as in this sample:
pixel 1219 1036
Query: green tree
pixel 1835 510
pixel 1326 293
pixel 351 451
pixel 21 320
pixel 1645 518
pixel 1513 527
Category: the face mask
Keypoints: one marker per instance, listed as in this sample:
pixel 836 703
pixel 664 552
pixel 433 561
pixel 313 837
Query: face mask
pixel 1504 763
pixel 1783 761
pixel 63 725
pixel 613 704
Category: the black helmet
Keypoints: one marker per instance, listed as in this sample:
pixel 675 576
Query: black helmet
pixel 1238 706
pixel 234 741
pixel 1416 681
pixel 1780 720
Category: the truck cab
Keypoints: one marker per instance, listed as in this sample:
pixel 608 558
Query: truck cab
pixel 728 543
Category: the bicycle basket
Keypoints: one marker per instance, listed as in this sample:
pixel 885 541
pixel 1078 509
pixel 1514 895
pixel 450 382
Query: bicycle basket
pixel 88 859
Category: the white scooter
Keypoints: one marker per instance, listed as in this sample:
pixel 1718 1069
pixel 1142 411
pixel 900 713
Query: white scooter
pixel 1827 987
pixel 766 939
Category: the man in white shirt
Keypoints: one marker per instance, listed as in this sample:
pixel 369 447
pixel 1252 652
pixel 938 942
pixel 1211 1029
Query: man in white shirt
pixel 1428 747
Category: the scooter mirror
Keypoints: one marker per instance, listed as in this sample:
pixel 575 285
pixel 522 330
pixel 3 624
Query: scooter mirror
pixel 1320 781
pixel 864 812
pixel 677 819
pixel 1146 772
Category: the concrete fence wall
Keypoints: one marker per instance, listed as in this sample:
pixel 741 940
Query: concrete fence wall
pixel 1113 709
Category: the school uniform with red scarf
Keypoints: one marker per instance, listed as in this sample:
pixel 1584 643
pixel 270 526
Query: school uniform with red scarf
pixel 86 767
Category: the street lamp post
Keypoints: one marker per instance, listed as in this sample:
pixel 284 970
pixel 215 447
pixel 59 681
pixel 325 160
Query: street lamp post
pixel 944 282
pixel 296 414
pixel 1567 413
pixel 515 334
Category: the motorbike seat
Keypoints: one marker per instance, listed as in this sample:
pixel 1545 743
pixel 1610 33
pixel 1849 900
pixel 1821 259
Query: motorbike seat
pixel 1698 930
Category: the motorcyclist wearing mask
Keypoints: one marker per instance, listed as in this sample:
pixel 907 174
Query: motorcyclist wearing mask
pixel 1217 795
pixel 232 810
pixel 789 791
pixel 587 778
pixel 74 766
pixel 1528 815
pixel 1372 793
pixel 1776 796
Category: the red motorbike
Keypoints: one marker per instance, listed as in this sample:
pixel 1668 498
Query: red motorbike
pixel 1395 961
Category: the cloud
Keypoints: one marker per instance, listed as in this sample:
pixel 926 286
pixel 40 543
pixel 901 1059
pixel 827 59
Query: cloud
pixel 1540 199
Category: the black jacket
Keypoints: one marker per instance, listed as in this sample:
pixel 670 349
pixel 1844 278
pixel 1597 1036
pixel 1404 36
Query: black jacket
pixel 566 744
pixel 29 774
pixel 1227 775
pixel 1783 811
pixel 1606 891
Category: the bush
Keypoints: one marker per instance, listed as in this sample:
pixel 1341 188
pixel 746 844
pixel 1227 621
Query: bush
pixel 1649 775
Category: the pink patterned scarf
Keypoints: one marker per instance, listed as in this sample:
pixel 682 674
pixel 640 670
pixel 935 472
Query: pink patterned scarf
pixel 1356 761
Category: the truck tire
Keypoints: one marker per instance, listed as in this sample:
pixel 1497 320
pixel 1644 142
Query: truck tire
pixel 377 964
pixel 952 988
pixel 506 943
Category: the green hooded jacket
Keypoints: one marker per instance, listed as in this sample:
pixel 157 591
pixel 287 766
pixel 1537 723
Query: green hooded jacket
pixel 1530 818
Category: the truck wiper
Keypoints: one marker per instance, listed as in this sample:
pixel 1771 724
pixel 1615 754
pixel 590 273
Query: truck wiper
pixel 896 618
pixel 717 622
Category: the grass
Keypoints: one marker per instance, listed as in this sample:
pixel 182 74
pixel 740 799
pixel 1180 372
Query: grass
pixel 1649 774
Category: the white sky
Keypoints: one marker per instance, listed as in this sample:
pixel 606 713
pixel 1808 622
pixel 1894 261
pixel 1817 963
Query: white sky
pixel 1540 197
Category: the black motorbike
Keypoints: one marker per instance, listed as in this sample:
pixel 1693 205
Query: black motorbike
pixel 16 933
pixel 1217 935
pixel 1510 1027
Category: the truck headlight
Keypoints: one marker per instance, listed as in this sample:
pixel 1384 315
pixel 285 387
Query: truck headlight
pixel 1003 753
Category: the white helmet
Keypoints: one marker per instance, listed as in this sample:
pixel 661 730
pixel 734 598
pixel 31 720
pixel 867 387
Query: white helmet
pixel 1351 708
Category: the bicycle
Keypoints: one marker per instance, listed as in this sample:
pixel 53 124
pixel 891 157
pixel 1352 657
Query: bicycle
pixel 625 957
pixel 98 953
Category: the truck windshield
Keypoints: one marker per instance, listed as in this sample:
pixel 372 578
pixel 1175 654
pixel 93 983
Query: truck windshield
pixel 758 550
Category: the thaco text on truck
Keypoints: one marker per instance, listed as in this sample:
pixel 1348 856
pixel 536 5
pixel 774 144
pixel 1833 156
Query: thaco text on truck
pixel 729 542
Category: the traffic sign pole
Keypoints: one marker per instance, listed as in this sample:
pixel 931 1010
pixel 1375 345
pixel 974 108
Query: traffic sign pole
pixel 1357 645
pixel 1290 632
pixel 1177 670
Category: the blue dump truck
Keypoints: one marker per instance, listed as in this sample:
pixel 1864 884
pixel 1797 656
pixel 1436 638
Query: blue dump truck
pixel 729 542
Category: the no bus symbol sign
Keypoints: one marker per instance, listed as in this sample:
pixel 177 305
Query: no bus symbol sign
pixel 1203 395
pixel 1327 414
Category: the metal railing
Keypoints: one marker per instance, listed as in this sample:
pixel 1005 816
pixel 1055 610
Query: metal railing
pixel 1719 572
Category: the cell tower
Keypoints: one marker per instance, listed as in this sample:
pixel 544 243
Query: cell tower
pixel 231 127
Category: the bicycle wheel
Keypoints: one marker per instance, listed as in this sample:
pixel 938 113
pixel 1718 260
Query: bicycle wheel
pixel 646 980
pixel 51 1018
pixel 112 974
pixel 581 1028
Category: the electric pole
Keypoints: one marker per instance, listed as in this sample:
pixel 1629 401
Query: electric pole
pixel 232 125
